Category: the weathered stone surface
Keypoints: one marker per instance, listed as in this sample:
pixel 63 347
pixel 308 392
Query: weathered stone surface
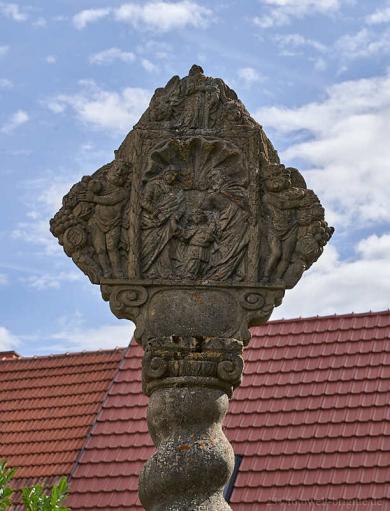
pixel 194 232
pixel 196 201
pixel 194 459
pixel 189 381
pixel 210 362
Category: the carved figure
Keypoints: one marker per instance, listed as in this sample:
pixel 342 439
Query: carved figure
pixel 313 234
pixel 200 237
pixel 296 229
pixel 195 102
pixel 162 205
pixel 108 199
pixel 91 224
pixel 203 95
pixel 280 201
pixel 229 201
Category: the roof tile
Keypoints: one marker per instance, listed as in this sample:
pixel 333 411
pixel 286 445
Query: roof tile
pixel 47 408
pixel 310 419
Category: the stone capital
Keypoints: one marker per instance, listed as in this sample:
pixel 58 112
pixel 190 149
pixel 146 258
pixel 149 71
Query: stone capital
pixel 211 362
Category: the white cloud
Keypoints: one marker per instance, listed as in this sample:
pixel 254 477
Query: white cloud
pixel 280 12
pixel 108 110
pixel 164 16
pixel 51 59
pixel 40 22
pixel 13 11
pixel 344 142
pixel 46 281
pixel 3 279
pixel 375 247
pixel 17 119
pixel 5 83
pixel 57 104
pixel 44 199
pixel 364 43
pixel 159 50
pixel 103 337
pixel 8 341
pixel 36 231
pixel 149 66
pixel 333 284
pixel 157 15
pixel 289 42
pixel 87 16
pixel 4 49
pixel 320 64
pixel 110 55
pixel 379 16
pixel 249 75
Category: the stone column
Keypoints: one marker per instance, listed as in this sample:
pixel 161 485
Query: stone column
pixel 189 381
pixel 194 232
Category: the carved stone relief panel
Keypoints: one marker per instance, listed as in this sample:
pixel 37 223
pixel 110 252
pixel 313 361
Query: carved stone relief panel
pixel 194 212
pixel 195 206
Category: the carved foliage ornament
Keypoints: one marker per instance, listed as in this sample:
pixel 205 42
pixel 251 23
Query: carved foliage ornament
pixel 195 201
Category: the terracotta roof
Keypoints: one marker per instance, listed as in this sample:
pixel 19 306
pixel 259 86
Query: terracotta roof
pixel 311 419
pixel 47 408
pixel 107 473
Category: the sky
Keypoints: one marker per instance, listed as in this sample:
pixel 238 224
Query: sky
pixel 75 76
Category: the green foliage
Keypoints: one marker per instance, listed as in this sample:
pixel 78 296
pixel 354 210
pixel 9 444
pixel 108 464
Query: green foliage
pixel 34 498
pixel 6 474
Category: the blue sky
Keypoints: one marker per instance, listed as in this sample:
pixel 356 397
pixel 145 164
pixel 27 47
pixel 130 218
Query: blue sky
pixel 75 76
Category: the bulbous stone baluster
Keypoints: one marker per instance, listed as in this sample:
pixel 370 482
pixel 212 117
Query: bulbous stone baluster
pixel 189 381
pixel 194 459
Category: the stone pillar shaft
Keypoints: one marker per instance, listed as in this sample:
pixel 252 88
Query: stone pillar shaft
pixel 193 231
pixel 189 381
pixel 194 459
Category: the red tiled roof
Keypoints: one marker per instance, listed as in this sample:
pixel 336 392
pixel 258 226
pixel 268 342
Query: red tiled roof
pixel 107 473
pixel 47 408
pixel 312 417
pixel 311 420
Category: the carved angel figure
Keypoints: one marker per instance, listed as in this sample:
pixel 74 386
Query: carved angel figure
pixel 280 200
pixel 90 223
pixel 296 229
pixel 109 200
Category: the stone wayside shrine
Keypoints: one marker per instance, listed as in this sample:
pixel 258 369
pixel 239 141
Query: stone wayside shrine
pixel 193 232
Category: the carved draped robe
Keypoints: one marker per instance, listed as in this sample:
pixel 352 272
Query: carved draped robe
pixel 229 259
pixel 161 208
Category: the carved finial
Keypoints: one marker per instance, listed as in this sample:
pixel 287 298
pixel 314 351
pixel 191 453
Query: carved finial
pixel 195 70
